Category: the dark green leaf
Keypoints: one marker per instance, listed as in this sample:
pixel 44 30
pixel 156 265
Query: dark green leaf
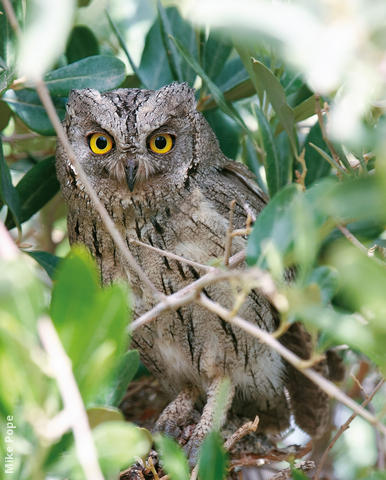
pixel 317 167
pixel 125 373
pixel 245 56
pixel 8 193
pixel 274 224
pixel 226 130
pixel 82 43
pixel 215 53
pixel 26 104
pixel 5 115
pixel 154 68
pixel 48 261
pixel 172 24
pixel 271 158
pixel 102 72
pixel 173 458
pixel 232 75
pixel 35 189
pixel 218 96
pixel 213 458
pixel 277 98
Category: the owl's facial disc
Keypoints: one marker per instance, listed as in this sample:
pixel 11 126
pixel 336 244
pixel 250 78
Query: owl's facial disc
pixel 131 169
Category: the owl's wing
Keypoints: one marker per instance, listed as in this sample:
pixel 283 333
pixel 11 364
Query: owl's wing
pixel 309 403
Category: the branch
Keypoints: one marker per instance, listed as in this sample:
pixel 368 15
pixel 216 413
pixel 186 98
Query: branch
pixel 343 428
pixel 291 358
pixel 72 400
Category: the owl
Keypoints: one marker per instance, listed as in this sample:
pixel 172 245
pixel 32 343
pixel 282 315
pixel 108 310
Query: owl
pixel 157 167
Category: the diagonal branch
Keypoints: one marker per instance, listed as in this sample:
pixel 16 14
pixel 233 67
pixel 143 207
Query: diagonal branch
pixel 291 358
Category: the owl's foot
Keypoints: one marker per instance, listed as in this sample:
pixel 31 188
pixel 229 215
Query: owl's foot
pixel 206 421
pixel 176 414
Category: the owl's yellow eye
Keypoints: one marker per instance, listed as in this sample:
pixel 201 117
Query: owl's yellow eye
pixel 161 143
pixel 100 143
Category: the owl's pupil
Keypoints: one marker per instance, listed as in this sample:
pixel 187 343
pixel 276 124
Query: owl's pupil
pixel 160 142
pixel 101 142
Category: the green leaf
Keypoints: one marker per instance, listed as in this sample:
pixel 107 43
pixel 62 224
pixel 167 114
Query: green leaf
pixel 48 261
pixel 271 158
pixel 35 189
pixel 328 281
pixel 274 225
pixel 250 158
pixel 82 43
pixel 26 104
pixel 5 115
pixel 8 193
pixel 218 96
pixel 216 51
pixel 277 98
pixel 173 25
pixel 226 130
pixel 317 167
pixel 98 415
pixel 213 458
pixel 119 444
pixel 102 72
pixel 298 474
pixel 173 458
pixel 92 325
pixel 304 110
pixel 126 371
pixel 154 69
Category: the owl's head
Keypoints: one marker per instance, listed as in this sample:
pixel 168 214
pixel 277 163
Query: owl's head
pixel 130 138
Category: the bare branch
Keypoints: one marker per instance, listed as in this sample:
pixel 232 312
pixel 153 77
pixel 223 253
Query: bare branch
pixel 267 338
pixel 11 16
pixel 352 239
pixel 78 421
pixel 166 253
pixel 343 428
pixel 244 430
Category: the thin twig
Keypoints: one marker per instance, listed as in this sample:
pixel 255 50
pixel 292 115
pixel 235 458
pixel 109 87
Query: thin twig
pixel 185 295
pixel 330 146
pixel 46 100
pixel 352 239
pixel 166 253
pixel 343 428
pixel 11 16
pixel 72 400
pixel 244 430
pixel 228 237
pixel 265 337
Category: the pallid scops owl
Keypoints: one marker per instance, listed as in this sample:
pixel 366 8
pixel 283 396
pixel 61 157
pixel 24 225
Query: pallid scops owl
pixel 156 165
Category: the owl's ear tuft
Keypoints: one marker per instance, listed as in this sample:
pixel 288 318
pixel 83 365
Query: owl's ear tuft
pixel 180 97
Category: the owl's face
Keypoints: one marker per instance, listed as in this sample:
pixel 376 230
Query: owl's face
pixel 133 137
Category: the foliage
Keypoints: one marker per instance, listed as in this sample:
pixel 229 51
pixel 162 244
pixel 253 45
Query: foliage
pixel 261 101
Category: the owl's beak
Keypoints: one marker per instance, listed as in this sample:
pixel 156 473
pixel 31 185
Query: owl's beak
pixel 130 171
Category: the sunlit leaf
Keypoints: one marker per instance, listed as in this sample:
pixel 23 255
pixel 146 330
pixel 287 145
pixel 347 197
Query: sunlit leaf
pixel 98 415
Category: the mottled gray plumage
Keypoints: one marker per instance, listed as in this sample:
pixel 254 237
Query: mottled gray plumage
pixel 180 202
